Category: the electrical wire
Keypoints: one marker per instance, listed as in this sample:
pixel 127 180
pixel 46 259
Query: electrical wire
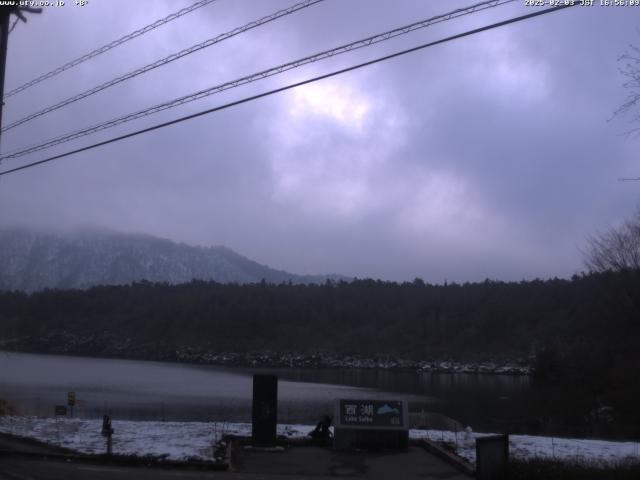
pixel 174 56
pixel 366 42
pixel 293 85
pixel 109 46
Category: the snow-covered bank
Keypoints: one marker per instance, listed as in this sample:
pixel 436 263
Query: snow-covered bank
pixel 529 447
pixel 195 440
pixel 170 440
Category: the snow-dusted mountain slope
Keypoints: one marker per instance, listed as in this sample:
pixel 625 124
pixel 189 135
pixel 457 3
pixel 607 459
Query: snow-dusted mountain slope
pixel 31 261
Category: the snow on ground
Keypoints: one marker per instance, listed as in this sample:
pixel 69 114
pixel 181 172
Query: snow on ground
pixel 170 440
pixel 528 446
pixel 184 440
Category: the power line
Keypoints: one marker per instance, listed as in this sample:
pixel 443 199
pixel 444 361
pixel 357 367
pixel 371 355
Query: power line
pixel 291 86
pixel 159 63
pixel 259 76
pixel 109 46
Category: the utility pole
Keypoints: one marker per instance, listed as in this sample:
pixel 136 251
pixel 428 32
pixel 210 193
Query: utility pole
pixel 4 38
pixel 5 16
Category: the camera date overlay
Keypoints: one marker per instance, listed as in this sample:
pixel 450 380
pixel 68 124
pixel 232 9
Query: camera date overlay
pixel 582 3
pixel 44 3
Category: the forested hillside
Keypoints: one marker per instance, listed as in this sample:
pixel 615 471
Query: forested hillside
pixel 413 320
pixel 32 260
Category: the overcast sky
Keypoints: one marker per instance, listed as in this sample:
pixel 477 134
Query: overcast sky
pixel 489 156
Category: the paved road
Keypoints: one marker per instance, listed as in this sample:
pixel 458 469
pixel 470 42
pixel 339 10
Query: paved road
pixel 295 463
pixel 315 462
pixel 298 463
pixel 25 468
pixel 20 444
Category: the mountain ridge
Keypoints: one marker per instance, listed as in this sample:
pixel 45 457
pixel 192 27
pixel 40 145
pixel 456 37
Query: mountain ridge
pixel 32 260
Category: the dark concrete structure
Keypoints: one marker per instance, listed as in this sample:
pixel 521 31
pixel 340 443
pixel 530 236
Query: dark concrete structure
pixel 265 410
pixel 492 457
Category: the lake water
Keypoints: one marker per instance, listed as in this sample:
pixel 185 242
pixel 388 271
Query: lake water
pixel 136 390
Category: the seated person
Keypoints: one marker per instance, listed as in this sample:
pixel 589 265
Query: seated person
pixel 322 432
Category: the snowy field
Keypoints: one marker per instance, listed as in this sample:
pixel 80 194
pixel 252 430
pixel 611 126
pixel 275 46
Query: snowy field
pixel 195 440
pixel 528 447
pixel 169 440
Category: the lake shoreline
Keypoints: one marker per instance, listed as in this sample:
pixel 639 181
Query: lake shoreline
pixel 65 344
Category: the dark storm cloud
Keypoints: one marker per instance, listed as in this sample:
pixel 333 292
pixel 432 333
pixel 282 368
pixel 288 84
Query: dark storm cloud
pixel 490 156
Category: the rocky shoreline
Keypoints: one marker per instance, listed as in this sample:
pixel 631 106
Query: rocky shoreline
pixel 329 360
pixel 110 346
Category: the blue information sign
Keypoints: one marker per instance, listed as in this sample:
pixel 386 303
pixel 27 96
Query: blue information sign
pixel 372 413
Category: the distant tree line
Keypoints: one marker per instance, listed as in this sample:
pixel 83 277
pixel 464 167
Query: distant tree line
pixel 369 317
pixel 416 320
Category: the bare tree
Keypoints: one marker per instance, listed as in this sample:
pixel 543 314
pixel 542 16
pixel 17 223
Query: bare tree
pixel 630 69
pixel 617 249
